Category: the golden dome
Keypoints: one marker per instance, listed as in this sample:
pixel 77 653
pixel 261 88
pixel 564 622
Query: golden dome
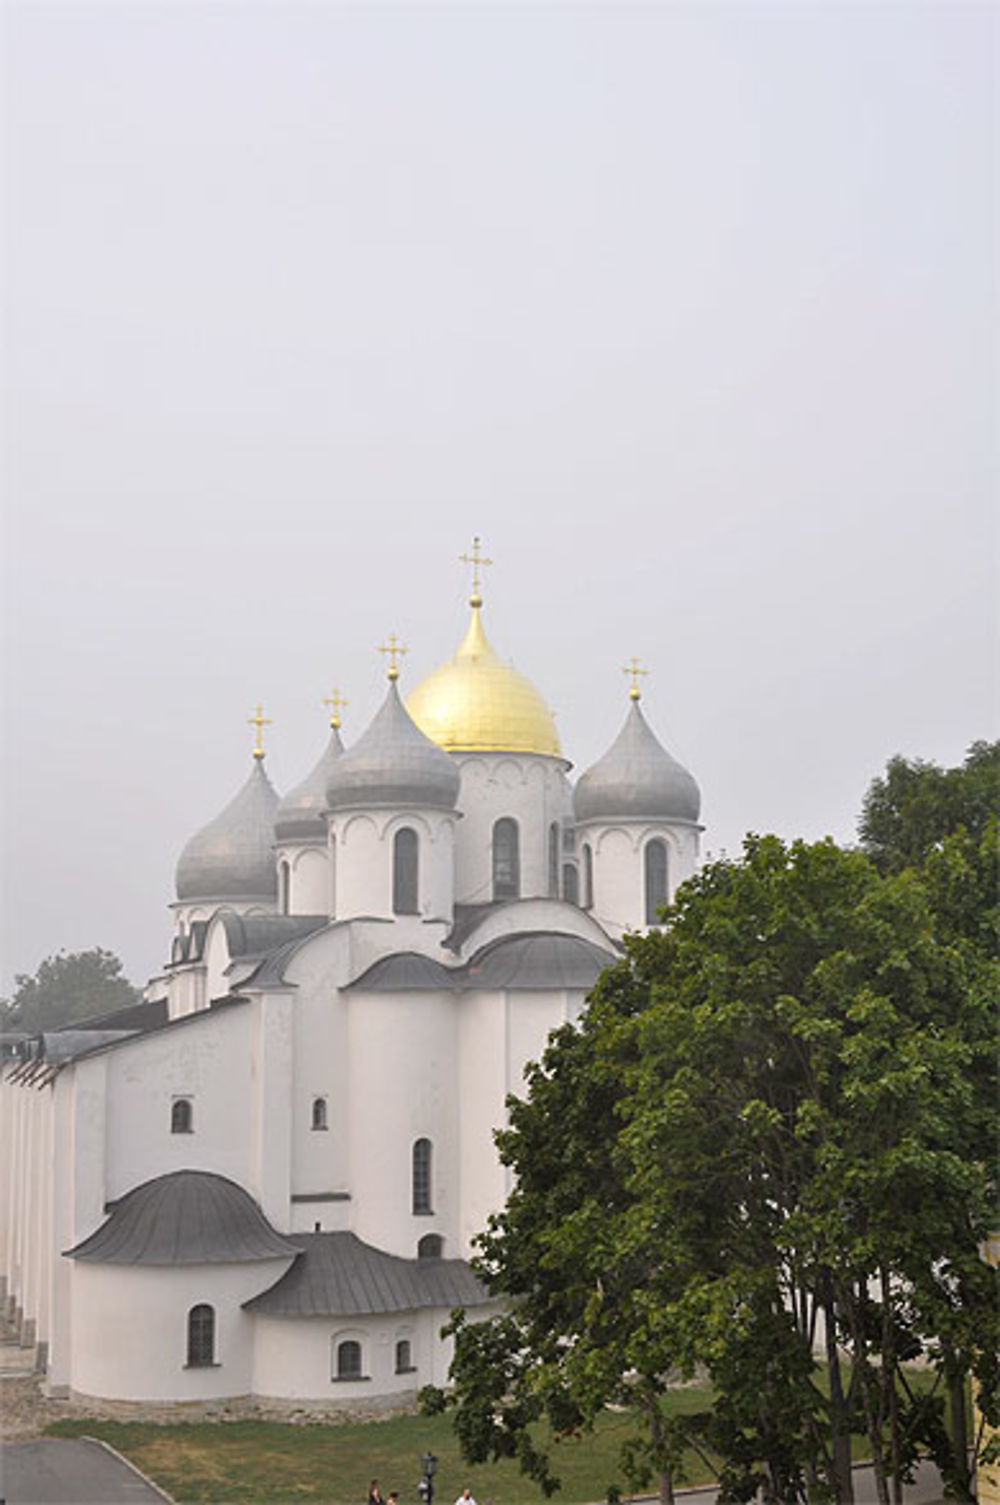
pixel 477 703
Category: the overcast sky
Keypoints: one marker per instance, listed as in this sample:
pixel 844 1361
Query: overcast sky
pixel 689 310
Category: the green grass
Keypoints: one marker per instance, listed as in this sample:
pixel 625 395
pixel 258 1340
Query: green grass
pixel 269 1463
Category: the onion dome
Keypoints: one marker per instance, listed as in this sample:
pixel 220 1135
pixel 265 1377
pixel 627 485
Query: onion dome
pixel 184 1218
pixel 637 779
pixel 301 812
pixel 477 703
pixel 231 857
pixel 393 764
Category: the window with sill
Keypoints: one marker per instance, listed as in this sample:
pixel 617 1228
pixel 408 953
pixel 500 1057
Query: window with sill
pixel 201 1336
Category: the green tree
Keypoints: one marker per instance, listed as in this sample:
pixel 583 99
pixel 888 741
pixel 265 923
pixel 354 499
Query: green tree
pixel 777 1109
pixel 910 810
pixel 67 988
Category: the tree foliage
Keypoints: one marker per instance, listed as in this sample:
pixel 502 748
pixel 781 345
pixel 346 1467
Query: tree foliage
pixel 67 988
pixel 772 1130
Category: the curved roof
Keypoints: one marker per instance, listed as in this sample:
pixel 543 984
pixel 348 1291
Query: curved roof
pixel 393 764
pixel 300 813
pixel 336 1275
pixel 231 857
pixel 184 1218
pixel 477 703
pixel 637 779
pixel 543 960
pixel 406 972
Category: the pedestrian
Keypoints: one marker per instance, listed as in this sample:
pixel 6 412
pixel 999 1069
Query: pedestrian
pixel 465 1498
pixel 375 1494
pixel 392 1500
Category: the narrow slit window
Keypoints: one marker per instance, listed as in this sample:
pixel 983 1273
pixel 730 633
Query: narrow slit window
pixel 422 1176
pixel 284 886
pixel 404 1357
pixel 405 872
pixel 506 860
pixel 588 876
pixel 571 886
pixel 319 1113
pixel 656 879
pixel 201 1336
pixel 182 1116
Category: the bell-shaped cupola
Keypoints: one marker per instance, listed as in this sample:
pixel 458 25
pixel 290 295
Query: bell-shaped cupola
pixel 232 857
pixel 391 815
pixel 637 826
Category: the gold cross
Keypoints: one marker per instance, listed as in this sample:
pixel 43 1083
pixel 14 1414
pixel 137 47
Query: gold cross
pixel 633 671
pixel 477 560
pixel 394 648
pixel 335 701
pixel 259 720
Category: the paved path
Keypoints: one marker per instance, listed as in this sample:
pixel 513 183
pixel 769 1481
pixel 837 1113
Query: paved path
pixel 70 1471
pixel 926 1489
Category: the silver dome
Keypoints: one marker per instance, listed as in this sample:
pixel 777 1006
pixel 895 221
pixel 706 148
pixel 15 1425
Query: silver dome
pixel 231 857
pixel 637 779
pixel 300 813
pixel 393 764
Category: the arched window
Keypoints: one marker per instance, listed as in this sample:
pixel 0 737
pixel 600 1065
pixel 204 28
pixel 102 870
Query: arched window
pixel 201 1336
pixel 333 875
pixel 588 876
pixel 431 1246
pixel 506 860
pixel 405 861
pixel 349 1360
pixel 181 1116
pixel 284 886
pixel 404 1357
pixel 571 884
pixel 554 860
pixel 656 879
pixel 319 1113
pixel 422 1176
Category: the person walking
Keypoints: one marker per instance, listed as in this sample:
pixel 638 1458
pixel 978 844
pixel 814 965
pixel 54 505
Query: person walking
pixel 375 1494
pixel 465 1498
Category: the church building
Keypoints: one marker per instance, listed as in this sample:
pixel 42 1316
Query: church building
pixel 264 1181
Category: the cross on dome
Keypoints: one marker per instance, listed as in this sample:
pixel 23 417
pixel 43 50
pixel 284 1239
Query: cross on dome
pixel 633 670
pixel 478 561
pixel 394 648
pixel 258 720
pixel 335 701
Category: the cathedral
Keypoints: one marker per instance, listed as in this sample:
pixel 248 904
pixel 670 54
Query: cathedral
pixel 264 1181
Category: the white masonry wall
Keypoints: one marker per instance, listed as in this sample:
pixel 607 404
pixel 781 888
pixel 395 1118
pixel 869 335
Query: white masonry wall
pixel 532 790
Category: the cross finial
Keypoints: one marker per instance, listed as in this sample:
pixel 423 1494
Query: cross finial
pixel 394 648
pixel 335 701
pixel 633 671
pixel 478 561
pixel 258 720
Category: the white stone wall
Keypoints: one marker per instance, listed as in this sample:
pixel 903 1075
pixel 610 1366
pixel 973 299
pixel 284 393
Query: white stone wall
pixel 295 1358
pixel 308 876
pixel 619 867
pixel 532 790
pixel 361 853
pixel 129 1329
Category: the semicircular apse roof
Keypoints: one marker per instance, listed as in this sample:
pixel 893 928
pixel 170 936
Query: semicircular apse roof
pixel 184 1218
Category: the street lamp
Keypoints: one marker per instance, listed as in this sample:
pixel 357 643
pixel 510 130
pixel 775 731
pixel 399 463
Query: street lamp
pixel 426 1486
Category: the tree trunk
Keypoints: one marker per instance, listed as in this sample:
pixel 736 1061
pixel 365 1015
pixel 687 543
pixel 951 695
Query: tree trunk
pixel 960 1438
pixel 888 1377
pixel 666 1488
pixel 843 1479
pixel 666 1478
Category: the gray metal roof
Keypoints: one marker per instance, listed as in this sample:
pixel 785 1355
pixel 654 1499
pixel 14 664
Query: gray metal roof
pixel 65 1044
pixel 336 1275
pixel 637 779
pixel 301 812
pixel 250 936
pixel 407 972
pixel 232 857
pixel 184 1218
pixel 542 960
pixel 393 764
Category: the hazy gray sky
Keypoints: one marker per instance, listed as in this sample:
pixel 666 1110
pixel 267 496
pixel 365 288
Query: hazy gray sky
pixel 689 310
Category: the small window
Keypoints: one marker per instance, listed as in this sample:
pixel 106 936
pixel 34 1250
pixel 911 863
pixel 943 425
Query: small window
pixel 656 879
pixel 284 887
pixel 431 1246
pixel 405 872
pixel 554 860
pixel 319 1113
pixel 506 860
pixel 349 1360
pixel 571 885
pixel 404 1357
pixel 201 1337
pixel 588 876
pixel 422 1176
pixel 182 1116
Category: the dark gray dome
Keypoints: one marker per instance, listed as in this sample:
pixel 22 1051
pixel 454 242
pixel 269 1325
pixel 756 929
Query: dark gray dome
pixel 300 813
pixel 393 764
pixel 184 1218
pixel 231 857
pixel 637 779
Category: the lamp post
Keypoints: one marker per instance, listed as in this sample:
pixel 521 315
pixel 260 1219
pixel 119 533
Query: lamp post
pixel 426 1486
